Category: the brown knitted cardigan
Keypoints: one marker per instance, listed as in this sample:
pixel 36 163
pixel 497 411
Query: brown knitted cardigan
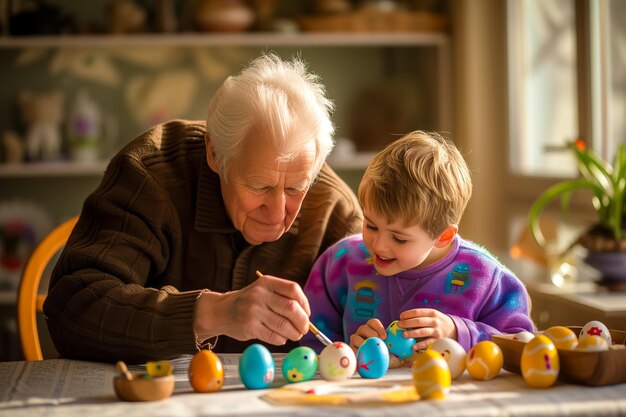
pixel 155 233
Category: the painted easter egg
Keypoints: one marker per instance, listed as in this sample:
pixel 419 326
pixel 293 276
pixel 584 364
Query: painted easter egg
pixel 159 368
pixel 540 362
pixel 484 360
pixel 453 353
pixel 372 358
pixel 431 375
pixel 524 336
pixel 206 372
pixel 300 364
pixel 337 362
pixel 595 328
pixel 256 367
pixel 562 337
pixel 397 344
pixel 592 344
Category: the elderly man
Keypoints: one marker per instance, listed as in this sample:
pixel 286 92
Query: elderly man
pixel 163 258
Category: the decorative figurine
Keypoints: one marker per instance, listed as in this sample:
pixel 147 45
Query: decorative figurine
pixel 43 114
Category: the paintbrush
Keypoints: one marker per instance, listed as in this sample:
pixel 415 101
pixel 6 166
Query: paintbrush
pixel 319 335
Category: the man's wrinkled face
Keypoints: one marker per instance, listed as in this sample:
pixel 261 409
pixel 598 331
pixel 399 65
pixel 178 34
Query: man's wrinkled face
pixel 263 195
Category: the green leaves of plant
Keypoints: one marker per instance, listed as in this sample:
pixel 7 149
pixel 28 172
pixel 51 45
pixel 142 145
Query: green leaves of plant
pixel 606 181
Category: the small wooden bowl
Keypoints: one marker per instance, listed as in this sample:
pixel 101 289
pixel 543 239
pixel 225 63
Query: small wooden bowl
pixel 138 388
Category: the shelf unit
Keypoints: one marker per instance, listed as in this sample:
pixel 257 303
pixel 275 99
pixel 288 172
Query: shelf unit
pixel 437 40
pixel 52 169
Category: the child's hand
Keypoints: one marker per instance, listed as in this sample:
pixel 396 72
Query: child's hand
pixel 426 323
pixel 373 328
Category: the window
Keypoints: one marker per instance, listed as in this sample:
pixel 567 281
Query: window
pixel 567 79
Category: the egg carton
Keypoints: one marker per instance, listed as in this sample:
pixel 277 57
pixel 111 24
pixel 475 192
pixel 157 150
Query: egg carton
pixel 578 367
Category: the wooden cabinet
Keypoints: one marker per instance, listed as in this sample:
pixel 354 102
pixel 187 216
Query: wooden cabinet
pixel 575 306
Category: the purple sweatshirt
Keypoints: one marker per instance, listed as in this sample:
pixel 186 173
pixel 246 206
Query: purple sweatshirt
pixel 470 285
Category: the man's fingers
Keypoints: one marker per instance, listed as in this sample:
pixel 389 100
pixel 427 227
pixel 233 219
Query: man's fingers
pixel 290 322
pixel 288 289
pixel 267 335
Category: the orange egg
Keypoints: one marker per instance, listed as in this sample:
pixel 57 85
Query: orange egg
pixel 206 372
pixel 540 362
pixel 484 360
pixel 562 337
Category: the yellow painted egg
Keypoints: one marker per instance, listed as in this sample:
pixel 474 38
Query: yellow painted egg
pixel 484 360
pixel 592 344
pixel 453 353
pixel 595 328
pixel 562 337
pixel 540 362
pixel 431 375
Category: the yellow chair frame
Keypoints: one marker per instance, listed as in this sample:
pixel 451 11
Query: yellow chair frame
pixel 29 301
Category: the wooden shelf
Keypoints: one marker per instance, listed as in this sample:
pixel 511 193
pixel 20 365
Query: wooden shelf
pixel 74 169
pixel 243 39
pixel 52 169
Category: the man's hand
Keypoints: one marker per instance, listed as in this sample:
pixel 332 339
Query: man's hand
pixel 373 328
pixel 426 323
pixel 270 309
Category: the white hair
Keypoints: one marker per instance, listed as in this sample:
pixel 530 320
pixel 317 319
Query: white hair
pixel 279 98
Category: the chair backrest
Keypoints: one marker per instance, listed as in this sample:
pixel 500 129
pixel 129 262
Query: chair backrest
pixel 29 301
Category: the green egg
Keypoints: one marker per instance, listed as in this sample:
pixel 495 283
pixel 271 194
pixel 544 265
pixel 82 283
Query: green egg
pixel 300 364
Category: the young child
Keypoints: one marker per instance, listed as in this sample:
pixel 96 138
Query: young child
pixel 410 263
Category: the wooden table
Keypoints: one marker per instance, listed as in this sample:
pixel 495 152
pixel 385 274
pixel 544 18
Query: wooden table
pixel 73 388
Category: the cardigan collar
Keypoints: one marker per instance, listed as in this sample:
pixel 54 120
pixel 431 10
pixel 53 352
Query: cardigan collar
pixel 211 215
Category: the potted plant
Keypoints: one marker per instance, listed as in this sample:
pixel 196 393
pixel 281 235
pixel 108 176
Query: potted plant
pixel 605 240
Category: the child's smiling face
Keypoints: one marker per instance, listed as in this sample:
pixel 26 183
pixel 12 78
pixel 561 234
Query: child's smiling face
pixel 395 247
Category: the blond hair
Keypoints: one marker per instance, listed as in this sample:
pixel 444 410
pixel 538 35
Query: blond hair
pixel 420 179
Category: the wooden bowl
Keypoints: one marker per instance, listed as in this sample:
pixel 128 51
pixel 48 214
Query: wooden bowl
pixel 578 367
pixel 139 388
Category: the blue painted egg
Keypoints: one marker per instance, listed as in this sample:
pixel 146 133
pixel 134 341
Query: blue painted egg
pixel 372 358
pixel 300 364
pixel 256 367
pixel 397 344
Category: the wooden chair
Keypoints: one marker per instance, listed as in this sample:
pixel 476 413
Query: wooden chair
pixel 29 301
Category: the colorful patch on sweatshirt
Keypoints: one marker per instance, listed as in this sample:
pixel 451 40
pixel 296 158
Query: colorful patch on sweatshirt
pixel 364 300
pixel 458 279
